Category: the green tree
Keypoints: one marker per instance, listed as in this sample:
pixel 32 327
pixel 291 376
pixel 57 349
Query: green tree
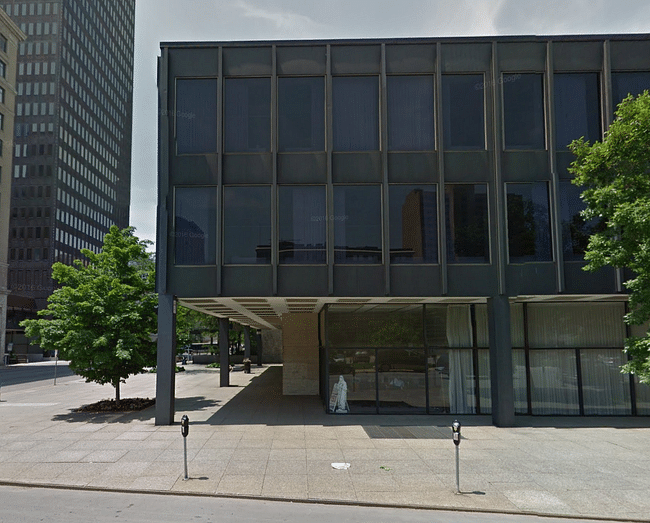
pixel 102 316
pixel 193 326
pixel 615 175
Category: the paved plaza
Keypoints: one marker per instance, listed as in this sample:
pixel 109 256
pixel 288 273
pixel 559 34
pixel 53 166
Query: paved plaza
pixel 250 440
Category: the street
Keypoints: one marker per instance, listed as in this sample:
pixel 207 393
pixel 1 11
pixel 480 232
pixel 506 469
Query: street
pixel 77 506
pixel 12 377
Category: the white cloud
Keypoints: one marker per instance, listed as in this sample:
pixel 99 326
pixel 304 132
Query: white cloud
pixel 288 23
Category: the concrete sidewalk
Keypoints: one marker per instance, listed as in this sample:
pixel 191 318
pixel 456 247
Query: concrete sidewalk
pixel 249 440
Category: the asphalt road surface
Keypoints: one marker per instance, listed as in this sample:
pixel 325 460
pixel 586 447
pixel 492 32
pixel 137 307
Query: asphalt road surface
pixel 16 377
pixel 31 504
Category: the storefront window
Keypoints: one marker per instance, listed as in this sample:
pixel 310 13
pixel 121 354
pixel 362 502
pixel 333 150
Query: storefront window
pixel 554 384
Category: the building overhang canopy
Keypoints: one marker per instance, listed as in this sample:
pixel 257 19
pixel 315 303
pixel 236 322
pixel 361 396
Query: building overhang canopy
pixel 267 312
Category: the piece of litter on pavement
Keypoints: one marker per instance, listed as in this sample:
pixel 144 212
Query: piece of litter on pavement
pixel 341 466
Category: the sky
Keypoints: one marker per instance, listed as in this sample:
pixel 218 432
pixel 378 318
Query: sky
pixel 230 20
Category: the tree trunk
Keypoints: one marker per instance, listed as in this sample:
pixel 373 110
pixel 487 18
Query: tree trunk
pixel 117 392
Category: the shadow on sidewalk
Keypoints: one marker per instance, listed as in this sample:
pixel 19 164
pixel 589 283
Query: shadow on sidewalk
pixel 261 402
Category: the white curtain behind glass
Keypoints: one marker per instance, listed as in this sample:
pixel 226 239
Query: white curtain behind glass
pixel 519 380
pixel 459 334
pixel 576 325
pixel 554 384
pixel 604 389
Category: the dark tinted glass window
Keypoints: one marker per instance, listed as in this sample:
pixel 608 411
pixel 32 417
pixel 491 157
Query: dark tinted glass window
pixel 577 108
pixel 624 84
pixel 357 224
pixel 467 223
pixel 247 225
pixel 195 221
pixel 355 113
pixel 575 230
pixel 529 227
pixel 463 99
pixel 410 113
pixel 248 114
pixel 523 111
pixel 196 116
pixel 413 224
pixel 301 114
pixel 303 224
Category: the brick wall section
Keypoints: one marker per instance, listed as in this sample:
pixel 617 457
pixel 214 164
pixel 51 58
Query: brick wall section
pixel 300 354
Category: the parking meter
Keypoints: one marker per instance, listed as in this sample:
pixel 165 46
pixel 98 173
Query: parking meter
pixel 185 430
pixel 455 427
pixel 455 432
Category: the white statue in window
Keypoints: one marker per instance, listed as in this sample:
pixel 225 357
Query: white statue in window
pixel 341 388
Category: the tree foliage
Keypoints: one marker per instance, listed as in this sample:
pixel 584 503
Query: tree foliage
pixel 615 175
pixel 193 326
pixel 102 316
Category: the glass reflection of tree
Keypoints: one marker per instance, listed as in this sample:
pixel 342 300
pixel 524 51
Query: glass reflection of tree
pixel 580 231
pixel 521 226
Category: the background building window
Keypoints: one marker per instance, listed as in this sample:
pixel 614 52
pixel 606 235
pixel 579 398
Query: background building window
pixel 463 99
pixel 529 226
pixel 523 111
pixel 577 108
pixel 247 225
pixel 195 221
pixel 303 224
pixel 357 224
pixel 355 113
pixel 301 114
pixel 248 115
pixel 196 116
pixel 410 113
pixel 413 224
pixel 467 223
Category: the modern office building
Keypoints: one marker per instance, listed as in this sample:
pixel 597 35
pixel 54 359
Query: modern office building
pixel 399 212
pixel 72 140
pixel 10 37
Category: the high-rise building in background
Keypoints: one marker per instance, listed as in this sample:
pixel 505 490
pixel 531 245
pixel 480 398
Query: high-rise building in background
pixel 10 36
pixel 72 135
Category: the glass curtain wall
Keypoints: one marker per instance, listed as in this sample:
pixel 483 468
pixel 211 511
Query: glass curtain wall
pixel 407 359
pixel 303 222
pixel 574 354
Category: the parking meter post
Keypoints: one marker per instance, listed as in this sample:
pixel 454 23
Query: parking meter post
pixel 455 430
pixel 185 430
